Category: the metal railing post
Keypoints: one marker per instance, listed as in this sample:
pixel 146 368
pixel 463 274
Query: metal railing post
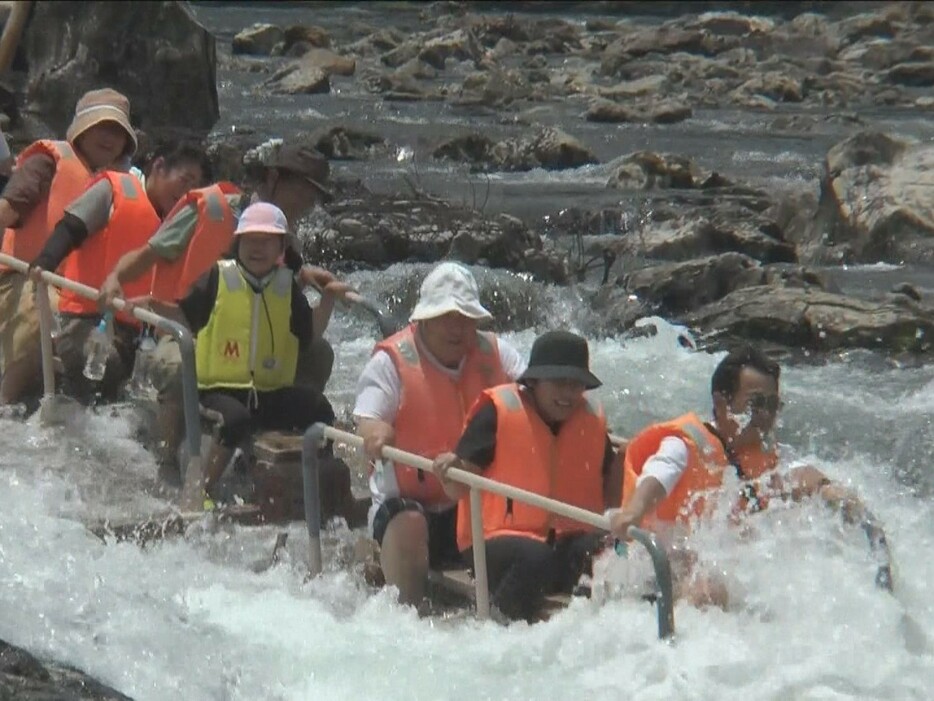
pixel 481 583
pixel 181 334
pixel 311 443
pixel 662 566
pixel 190 402
pixel 45 340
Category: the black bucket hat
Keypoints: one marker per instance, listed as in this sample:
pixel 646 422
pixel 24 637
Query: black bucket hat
pixel 560 355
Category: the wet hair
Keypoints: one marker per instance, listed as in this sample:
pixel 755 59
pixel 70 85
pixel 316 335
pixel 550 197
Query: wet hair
pixel 179 153
pixel 725 378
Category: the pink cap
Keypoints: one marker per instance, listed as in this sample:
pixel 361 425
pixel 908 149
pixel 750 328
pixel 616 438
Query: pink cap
pixel 262 218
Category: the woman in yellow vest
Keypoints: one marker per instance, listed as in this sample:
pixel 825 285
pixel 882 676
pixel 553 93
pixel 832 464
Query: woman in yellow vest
pixel 543 435
pixel 115 214
pixel 49 175
pixel 251 319
pixel 190 240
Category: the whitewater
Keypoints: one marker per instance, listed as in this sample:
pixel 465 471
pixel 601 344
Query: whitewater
pixel 207 617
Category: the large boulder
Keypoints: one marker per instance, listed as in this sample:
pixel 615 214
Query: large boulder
pixel 494 88
pixel 24 677
pixel 257 40
pixel 675 288
pixel 347 144
pixel 460 45
pixel 311 73
pixel 652 111
pixel 548 148
pixel 300 79
pixel 699 232
pixel 876 199
pixel 377 231
pixel 916 74
pixel 813 319
pixel 154 52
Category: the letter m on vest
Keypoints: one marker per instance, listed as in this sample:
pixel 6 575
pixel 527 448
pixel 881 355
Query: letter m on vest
pixel 231 349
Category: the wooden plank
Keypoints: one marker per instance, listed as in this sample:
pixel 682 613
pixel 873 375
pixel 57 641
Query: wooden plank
pixel 277 446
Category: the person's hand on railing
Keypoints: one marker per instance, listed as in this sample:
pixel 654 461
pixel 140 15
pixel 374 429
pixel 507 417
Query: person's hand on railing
pixel 35 273
pixel 440 467
pixel 376 435
pixel 110 291
pixel 443 463
pixel 142 302
pixel 621 520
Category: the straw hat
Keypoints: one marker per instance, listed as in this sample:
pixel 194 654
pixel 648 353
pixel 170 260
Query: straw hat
pixel 104 105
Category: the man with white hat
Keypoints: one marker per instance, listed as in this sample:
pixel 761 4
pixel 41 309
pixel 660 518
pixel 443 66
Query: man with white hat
pixel 413 394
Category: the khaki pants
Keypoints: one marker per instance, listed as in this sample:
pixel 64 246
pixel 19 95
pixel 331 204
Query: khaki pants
pixel 19 327
pixel 71 347
pixel 165 370
pixel 19 320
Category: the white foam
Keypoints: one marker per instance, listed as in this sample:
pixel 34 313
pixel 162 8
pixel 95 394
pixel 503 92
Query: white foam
pixel 190 618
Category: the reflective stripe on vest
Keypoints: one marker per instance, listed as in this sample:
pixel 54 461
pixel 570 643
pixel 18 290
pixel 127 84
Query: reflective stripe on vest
pixel 209 241
pixel 70 179
pixel 433 405
pixel 567 467
pixel 132 221
pixel 248 341
pixel 213 205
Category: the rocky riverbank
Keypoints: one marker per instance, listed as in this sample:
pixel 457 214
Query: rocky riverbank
pixel 726 257
pixel 720 253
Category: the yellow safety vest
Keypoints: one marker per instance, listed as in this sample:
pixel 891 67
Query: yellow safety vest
pixel 248 342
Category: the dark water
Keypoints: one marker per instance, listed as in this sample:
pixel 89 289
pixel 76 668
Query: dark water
pixel 743 144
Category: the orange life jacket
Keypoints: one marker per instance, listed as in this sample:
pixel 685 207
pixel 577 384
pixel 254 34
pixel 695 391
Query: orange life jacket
pixel 213 233
pixel 132 221
pixel 707 461
pixel 431 416
pixel 71 177
pixel 567 467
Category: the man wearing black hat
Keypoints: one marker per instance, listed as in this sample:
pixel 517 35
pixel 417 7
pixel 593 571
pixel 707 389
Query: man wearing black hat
pixel 294 180
pixel 541 434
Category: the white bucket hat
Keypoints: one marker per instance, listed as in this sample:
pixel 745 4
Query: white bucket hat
pixel 449 288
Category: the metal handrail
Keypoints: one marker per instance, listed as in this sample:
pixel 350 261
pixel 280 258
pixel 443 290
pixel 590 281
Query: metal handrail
pixel 178 331
pixel 318 432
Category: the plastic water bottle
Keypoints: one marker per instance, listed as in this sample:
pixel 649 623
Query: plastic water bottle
pixel 56 329
pixel 99 344
pixel 141 380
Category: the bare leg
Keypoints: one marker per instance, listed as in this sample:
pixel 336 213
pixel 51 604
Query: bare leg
pixel 404 555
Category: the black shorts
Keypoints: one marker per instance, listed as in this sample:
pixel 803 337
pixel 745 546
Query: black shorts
pixel 442 529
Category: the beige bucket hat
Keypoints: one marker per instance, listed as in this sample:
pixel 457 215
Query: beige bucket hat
pixel 104 105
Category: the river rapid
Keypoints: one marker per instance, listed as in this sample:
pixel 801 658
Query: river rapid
pixel 207 617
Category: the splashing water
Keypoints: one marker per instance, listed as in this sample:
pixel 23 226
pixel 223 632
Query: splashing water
pixel 204 618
